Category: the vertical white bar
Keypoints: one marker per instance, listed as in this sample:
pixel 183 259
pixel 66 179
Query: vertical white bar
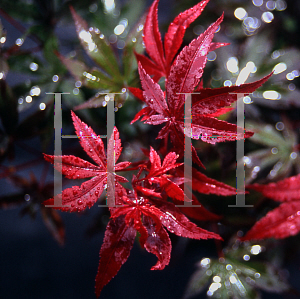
pixel 57 150
pixel 188 160
pixel 188 149
pixel 110 152
pixel 110 193
pixel 240 152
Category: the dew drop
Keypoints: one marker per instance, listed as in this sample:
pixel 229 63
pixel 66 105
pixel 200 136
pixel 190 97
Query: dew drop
pixel 293 155
pixel 205 262
pixel 246 257
pixel 27 197
pixel 292 228
pixel 257 275
pixel 228 267
pixel 79 202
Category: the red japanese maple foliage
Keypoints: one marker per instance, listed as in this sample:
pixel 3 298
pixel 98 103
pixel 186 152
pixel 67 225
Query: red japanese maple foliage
pixel 184 76
pixel 77 199
pixel 149 217
pixel 144 210
pixel 161 57
pixel 147 208
pixel 283 221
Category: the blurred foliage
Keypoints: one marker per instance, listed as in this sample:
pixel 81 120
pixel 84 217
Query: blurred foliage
pixel 89 53
pixel 236 276
pixel 280 155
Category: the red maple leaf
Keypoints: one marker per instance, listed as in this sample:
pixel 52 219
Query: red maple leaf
pixel 283 221
pixel 157 175
pixel 285 190
pixel 184 77
pixel 149 217
pixel 171 184
pixel 161 57
pixel 203 184
pixel 146 210
pixel 143 214
pixel 76 199
pixel 171 112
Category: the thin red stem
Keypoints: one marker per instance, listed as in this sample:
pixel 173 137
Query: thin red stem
pixel 11 169
pixel 18 26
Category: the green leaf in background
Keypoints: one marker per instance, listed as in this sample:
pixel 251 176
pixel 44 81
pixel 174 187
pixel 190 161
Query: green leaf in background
pixel 133 44
pixel 110 78
pixel 281 90
pixel 98 80
pixel 96 46
pixel 231 278
pixel 49 51
pixel 281 151
pixel 90 78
